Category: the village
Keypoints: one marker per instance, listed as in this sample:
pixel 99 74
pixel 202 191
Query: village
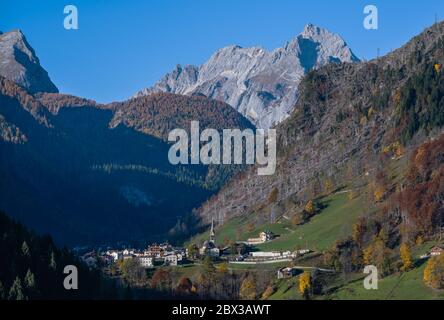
pixel 164 254
pixel 241 253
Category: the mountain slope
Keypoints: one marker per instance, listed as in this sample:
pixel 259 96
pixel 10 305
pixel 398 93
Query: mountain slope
pixel 68 167
pixel 160 113
pixel 90 173
pixel 20 64
pixel 347 119
pixel 261 85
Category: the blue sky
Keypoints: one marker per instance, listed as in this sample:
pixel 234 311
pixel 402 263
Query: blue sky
pixel 123 46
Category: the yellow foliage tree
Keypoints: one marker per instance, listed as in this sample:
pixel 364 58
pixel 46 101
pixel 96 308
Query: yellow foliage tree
pixel 248 289
pixel 309 207
pixel 379 193
pixel 419 240
pixel 406 257
pixel 377 254
pixel 268 292
pixel 397 97
pixel 328 185
pixel 305 283
pixel 434 272
pixel 368 254
pixel 358 232
pixel 223 267
pixel 399 151
pixel 351 195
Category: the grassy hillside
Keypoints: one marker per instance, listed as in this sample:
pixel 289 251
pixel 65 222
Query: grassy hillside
pixel 408 286
pixel 332 223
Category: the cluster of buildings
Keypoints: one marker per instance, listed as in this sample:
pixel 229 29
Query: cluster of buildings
pixel 165 254
pixel 162 254
pixel 264 256
pixel 154 255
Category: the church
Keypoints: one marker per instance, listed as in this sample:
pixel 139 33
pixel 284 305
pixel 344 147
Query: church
pixel 209 247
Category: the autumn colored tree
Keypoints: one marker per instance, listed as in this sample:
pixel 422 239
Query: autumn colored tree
pixel 305 284
pixel 248 289
pixel 434 272
pixel 309 207
pixel 223 268
pixel 185 286
pixel 268 292
pixel 378 254
pixel 351 195
pixel 273 196
pixel 406 257
pixel 328 185
pixel 161 280
pixel 420 200
pixel 358 231
pixel 378 192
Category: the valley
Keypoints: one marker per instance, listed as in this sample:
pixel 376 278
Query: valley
pixel 357 174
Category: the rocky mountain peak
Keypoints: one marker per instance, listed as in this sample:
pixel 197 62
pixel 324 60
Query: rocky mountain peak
pixel 312 31
pixel 261 85
pixel 20 64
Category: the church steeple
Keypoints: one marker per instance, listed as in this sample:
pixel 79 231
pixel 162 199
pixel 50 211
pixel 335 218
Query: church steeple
pixel 212 233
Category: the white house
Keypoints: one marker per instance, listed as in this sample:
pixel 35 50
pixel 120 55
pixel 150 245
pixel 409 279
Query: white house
pixel 128 252
pixel 146 261
pixel 286 273
pixel 262 254
pixel 116 255
pixel 264 236
pixel 171 259
pixel 436 251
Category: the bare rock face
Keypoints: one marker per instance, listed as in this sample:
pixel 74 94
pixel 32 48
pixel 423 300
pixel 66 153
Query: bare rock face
pixel 261 85
pixel 19 63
